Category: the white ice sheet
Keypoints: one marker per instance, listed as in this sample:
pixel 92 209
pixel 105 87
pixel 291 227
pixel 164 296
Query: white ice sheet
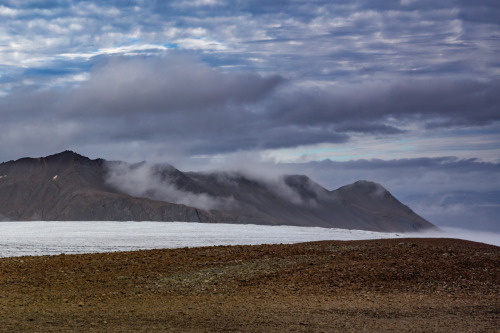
pixel 47 238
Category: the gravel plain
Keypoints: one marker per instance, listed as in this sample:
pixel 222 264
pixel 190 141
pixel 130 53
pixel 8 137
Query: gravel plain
pixel 412 285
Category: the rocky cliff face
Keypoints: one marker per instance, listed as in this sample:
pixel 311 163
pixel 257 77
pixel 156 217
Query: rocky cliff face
pixel 68 186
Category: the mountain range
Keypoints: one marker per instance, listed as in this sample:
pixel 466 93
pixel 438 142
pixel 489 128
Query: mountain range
pixel 71 187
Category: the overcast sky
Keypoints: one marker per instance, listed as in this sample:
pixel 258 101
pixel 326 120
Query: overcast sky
pixel 405 93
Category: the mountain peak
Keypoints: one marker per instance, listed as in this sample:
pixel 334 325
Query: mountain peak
pixel 365 187
pixel 65 156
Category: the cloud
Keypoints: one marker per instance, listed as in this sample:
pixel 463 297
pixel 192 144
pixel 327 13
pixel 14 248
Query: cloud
pixel 149 99
pixel 159 182
pixel 165 183
pixel 365 107
pixel 317 40
pixel 186 103
pixel 163 85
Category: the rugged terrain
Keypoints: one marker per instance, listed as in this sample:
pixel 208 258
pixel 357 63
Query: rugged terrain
pixel 415 285
pixel 71 187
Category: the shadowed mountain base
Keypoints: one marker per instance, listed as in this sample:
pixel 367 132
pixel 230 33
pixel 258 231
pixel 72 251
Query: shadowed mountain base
pixel 415 285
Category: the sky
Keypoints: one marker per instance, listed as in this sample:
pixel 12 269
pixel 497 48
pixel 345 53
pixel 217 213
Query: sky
pixel 405 93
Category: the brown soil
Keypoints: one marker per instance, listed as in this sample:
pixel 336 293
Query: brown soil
pixel 417 285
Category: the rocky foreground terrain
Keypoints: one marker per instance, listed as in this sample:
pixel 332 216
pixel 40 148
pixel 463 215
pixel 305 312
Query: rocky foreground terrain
pixel 417 285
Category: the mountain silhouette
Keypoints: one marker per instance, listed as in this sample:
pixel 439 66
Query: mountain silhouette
pixel 71 187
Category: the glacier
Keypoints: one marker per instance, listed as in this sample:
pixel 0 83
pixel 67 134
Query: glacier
pixel 35 238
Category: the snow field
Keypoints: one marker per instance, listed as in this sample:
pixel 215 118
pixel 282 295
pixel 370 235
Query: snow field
pixel 51 238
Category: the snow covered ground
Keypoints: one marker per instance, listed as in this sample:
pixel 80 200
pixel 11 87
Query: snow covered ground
pixel 47 238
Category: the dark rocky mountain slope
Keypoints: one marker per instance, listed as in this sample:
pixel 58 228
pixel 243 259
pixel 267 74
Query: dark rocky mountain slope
pixel 71 187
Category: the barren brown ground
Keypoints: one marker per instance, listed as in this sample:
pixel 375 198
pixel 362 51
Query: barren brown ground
pixel 417 285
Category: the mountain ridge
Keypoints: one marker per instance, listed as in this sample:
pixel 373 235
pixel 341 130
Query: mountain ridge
pixel 70 186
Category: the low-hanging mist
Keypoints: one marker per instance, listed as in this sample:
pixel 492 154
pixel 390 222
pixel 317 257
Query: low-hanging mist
pixel 207 190
pixel 160 182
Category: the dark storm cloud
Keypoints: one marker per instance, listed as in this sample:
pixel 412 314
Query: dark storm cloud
pixel 182 101
pixel 171 99
pixel 123 86
pixel 362 107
